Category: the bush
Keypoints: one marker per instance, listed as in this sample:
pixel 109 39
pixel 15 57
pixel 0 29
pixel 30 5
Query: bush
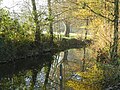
pixel 99 77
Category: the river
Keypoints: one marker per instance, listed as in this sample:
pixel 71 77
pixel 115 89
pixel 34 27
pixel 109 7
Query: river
pixel 45 72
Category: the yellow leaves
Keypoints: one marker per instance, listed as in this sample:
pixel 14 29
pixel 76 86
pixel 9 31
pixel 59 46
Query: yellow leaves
pixel 82 85
pixel 101 30
pixel 93 74
pixel 97 22
pixel 86 7
pixel 91 80
pixel 75 85
pixel 71 83
pixel 89 1
pixel 82 13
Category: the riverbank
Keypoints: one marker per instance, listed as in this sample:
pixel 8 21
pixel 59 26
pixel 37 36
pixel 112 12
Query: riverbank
pixel 17 50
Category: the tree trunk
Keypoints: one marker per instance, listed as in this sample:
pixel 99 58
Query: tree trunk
pixel 61 78
pixel 86 30
pixel 47 75
pixel 34 77
pixel 84 48
pixel 67 30
pixel 37 32
pixel 50 24
pixel 114 51
pixel 65 55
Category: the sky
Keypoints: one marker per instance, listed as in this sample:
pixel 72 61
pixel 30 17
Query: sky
pixel 16 4
pixel 11 4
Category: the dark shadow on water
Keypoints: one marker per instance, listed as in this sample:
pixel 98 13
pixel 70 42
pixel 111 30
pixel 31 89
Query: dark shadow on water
pixel 24 64
pixel 13 69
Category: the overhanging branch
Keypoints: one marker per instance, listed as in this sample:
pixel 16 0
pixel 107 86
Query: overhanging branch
pixel 99 14
pixel 95 12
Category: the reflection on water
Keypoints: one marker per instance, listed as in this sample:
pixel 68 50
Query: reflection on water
pixel 46 72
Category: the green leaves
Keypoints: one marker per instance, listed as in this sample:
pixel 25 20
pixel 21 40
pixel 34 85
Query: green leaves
pixel 49 18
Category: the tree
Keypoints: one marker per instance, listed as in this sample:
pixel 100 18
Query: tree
pixel 67 29
pixel 63 14
pixel 113 12
pixel 37 32
pixel 114 52
pixel 50 23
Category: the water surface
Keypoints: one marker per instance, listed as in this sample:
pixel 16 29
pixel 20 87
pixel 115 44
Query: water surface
pixel 44 72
